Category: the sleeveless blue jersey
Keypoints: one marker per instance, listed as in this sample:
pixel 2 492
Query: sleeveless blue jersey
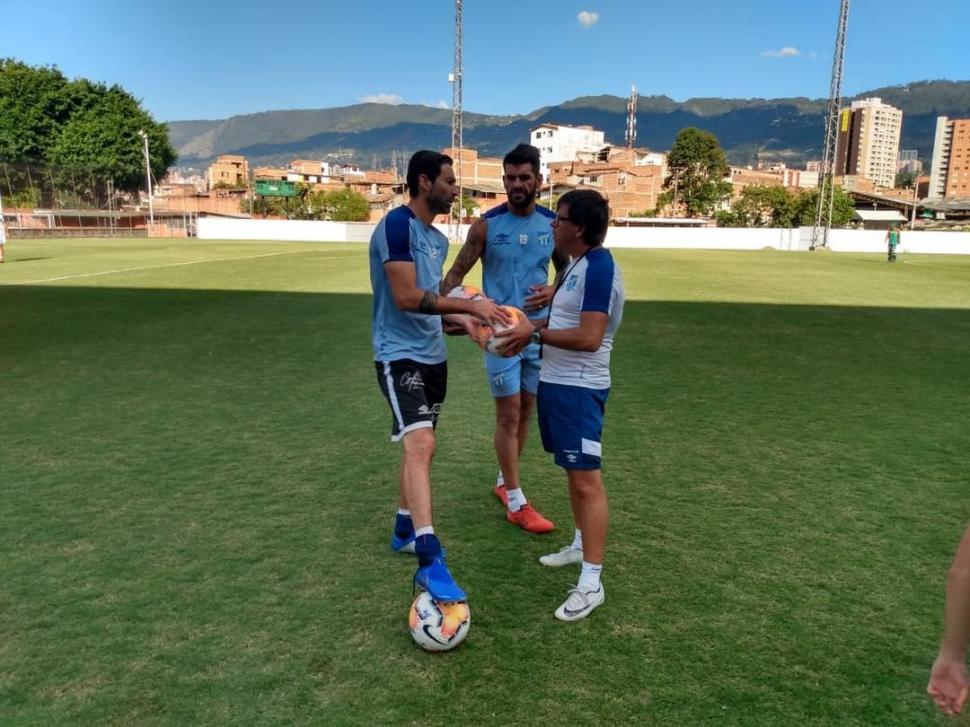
pixel 517 252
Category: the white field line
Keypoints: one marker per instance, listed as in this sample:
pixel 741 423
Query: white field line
pixel 158 267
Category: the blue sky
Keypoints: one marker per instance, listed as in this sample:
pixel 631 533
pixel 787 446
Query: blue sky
pixel 213 58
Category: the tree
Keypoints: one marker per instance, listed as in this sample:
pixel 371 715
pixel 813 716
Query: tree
pixel 87 132
pixel 761 206
pixel 467 207
pixel 905 180
pixel 806 207
pixel 346 205
pixel 698 169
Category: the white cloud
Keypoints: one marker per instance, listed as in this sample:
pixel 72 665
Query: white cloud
pixel 442 104
pixel 391 99
pixel 786 52
pixel 588 18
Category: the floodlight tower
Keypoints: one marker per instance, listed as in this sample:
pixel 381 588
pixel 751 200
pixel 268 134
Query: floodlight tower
pixel 631 118
pixel 826 177
pixel 457 140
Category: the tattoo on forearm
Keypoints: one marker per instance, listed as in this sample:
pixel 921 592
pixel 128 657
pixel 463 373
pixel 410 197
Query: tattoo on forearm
pixel 429 303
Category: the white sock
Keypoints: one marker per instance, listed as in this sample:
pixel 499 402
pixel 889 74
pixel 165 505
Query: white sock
pixel 403 511
pixel 577 540
pixel 516 499
pixel 500 480
pixel 589 578
pixel 426 530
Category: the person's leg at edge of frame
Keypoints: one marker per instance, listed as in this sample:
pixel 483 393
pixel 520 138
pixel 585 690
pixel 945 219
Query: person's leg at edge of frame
pixel 432 574
pixel 587 497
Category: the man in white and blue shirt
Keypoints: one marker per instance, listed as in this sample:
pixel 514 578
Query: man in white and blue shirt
pixel 574 383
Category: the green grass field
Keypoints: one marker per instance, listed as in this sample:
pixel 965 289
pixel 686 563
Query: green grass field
pixel 197 490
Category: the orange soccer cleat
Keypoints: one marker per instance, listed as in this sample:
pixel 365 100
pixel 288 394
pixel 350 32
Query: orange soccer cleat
pixel 530 520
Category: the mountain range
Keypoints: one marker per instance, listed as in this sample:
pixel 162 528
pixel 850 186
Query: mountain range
pixel 788 129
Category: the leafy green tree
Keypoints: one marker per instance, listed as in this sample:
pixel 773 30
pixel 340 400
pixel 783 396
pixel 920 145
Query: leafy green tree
pixel 346 205
pixel 264 207
pixel 806 207
pixel 761 206
pixel 698 169
pixel 35 103
pixel 86 132
pixel 467 207
pixel 905 180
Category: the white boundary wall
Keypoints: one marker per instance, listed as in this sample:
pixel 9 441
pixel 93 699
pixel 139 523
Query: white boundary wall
pixel 704 238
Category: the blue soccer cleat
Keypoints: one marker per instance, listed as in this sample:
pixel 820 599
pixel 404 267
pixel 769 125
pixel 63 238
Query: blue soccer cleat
pixel 436 580
pixel 402 545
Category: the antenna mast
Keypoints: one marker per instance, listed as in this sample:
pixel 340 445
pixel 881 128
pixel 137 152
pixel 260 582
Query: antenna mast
pixel 631 119
pixel 457 140
pixel 826 177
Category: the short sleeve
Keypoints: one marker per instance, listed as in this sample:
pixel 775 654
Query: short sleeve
pixel 397 232
pixel 599 283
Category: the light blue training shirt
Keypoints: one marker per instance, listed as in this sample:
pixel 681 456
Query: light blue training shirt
pixel 397 334
pixel 517 252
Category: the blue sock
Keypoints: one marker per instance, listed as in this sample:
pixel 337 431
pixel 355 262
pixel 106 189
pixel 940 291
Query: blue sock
pixel 427 548
pixel 403 527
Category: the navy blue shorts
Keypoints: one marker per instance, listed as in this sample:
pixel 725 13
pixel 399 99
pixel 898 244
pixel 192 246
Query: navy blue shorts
pixel 571 424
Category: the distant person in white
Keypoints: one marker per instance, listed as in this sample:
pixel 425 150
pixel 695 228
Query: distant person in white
pixel 574 383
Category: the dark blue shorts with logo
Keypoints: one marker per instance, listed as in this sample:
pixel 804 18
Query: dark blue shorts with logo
pixel 571 424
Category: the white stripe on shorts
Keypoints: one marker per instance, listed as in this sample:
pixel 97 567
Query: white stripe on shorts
pixel 424 424
pixel 392 397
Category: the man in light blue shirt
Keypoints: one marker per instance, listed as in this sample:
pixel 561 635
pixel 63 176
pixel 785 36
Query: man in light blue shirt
pixel 514 243
pixel 406 258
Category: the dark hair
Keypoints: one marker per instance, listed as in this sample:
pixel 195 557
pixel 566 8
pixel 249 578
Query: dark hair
pixel 429 164
pixel 523 154
pixel 590 210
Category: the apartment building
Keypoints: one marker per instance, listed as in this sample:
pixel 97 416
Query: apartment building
pixel 561 143
pixel 630 188
pixel 950 168
pixel 229 170
pixel 868 142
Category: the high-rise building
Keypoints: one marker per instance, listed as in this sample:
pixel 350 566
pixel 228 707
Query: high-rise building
pixel 950 170
pixel 868 141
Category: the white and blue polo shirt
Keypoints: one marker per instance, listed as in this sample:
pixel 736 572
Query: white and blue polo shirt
pixel 397 334
pixel 592 283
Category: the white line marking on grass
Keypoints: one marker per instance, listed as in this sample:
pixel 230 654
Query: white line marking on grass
pixel 157 267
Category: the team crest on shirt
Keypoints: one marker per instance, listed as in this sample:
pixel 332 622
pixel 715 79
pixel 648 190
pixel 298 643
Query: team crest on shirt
pixel 571 282
pixel 543 240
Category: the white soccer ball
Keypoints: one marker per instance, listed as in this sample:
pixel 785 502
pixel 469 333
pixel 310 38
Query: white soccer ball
pixel 438 626
pixel 490 337
pixel 468 292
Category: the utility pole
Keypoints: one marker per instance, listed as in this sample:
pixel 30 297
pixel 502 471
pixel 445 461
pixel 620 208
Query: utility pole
pixel 148 178
pixel 3 229
pixel 912 218
pixel 457 140
pixel 826 176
